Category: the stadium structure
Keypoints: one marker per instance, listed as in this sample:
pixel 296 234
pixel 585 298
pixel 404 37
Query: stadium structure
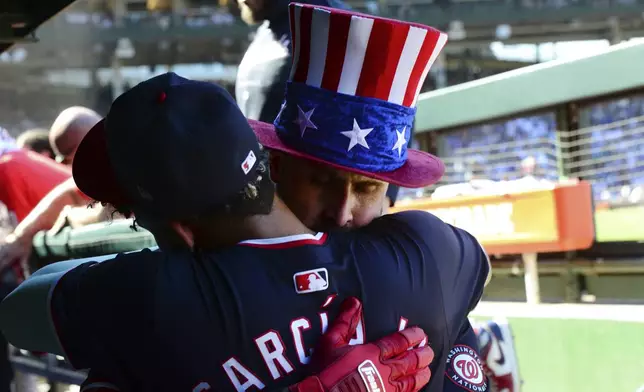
pixel 575 237
pixel 96 48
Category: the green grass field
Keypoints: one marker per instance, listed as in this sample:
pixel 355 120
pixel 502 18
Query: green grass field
pixel 620 224
pixel 590 348
pixel 564 351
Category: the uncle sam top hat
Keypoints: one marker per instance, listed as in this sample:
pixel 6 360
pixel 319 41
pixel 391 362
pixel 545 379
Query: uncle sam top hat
pixel 351 98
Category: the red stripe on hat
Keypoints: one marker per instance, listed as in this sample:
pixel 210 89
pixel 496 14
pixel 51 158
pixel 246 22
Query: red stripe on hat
pixel 384 49
pixel 291 17
pixel 429 45
pixel 339 25
pixel 305 45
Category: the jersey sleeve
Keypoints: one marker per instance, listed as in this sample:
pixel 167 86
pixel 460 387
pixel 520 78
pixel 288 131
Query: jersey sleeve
pixel 464 370
pixel 459 259
pixel 100 311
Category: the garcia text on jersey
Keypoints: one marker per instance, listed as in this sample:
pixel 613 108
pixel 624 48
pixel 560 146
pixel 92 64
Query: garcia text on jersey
pixel 279 362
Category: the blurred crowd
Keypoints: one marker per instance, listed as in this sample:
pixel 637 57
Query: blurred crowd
pixel 193 17
pixel 612 148
pixel 204 13
pixel 497 158
pixel 606 149
pixel 495 150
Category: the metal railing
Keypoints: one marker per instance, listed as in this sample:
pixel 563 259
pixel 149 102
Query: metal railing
pixel 610 156
pixel 497 162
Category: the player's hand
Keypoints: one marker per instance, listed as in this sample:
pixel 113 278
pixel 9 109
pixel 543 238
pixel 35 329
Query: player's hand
pixel 391 363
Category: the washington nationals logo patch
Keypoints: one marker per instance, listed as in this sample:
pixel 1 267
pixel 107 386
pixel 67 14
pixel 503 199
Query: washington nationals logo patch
pixel 464 368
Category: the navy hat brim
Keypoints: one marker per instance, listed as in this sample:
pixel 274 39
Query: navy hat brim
pixel 92 170
pixel 420 170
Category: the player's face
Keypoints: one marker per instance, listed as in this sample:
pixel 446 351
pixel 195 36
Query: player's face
pixel 324 198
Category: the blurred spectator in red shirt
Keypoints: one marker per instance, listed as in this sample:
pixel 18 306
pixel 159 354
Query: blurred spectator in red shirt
pixel 63 204
pixel 26 176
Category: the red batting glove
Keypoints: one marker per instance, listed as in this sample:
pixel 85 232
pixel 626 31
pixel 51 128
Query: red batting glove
pixel 390 364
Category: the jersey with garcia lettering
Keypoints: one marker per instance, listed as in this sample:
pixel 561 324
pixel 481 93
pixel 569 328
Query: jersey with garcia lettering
pixel 247 317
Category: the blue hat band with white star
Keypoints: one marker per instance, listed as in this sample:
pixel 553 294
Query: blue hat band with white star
pixel 362 133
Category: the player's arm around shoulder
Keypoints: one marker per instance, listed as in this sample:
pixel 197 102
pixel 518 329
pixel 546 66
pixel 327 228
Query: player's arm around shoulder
pixel 464 269
pixel 25 316
pixel 461 261
pixel 464 370
pixel 48 311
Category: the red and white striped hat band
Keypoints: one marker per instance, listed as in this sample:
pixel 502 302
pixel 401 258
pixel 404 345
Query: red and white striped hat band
pixel 362 55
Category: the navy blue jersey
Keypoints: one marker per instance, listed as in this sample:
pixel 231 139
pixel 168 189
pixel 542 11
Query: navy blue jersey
pixel 246 317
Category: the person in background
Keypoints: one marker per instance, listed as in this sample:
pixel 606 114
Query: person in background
pixel 55 209
pixel 25 177
pixel 36 140
pixel 64 204
pixel 67 131
pixel 530 178
pixel 475 183
pixel 31 176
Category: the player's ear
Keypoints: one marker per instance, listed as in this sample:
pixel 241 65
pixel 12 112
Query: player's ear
pixel 275 160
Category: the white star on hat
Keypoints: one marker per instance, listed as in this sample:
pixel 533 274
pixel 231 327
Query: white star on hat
pixel 304 120
pixel 357 136
pixel 401 142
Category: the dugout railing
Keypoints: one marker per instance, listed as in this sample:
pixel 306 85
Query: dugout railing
pixel 579 119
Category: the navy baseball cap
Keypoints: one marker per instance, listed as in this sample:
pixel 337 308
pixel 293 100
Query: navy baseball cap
pixel 170 146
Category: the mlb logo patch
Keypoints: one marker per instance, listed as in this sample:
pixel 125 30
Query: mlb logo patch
pixel 249 162
pixel 311 281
